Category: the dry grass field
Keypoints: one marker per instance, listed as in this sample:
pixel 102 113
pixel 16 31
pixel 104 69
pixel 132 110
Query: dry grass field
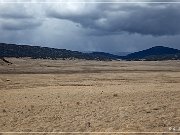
pixel 89 96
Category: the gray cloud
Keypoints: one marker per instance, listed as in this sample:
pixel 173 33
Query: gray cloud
pixel 147 19
pixel 18 17
pixel 19 25
pixel 87 27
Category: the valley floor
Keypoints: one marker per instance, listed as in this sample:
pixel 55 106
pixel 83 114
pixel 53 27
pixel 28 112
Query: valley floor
pixel 89 96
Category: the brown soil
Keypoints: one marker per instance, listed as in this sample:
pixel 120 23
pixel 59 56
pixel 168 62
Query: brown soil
pixel 89 96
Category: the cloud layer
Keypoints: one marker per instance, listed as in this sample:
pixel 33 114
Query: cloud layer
pixel 156 20
pixel 91 26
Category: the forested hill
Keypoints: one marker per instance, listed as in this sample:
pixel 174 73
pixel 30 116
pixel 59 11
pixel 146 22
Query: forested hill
pixel 155 53
pixel 13 50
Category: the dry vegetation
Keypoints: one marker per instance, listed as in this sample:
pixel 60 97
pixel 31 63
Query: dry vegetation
pixel 89 96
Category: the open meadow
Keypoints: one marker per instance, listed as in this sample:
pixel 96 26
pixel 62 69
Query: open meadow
pixel 89 96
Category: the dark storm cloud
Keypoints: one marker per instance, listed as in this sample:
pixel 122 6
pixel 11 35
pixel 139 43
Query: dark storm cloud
pixel 147 19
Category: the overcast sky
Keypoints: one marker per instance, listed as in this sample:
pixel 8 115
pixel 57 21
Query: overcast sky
pixel 109 27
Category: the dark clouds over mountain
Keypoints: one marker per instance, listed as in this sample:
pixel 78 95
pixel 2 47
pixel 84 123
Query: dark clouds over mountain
pixel 92 26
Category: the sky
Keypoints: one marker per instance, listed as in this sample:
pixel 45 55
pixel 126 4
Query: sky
pixel 91 25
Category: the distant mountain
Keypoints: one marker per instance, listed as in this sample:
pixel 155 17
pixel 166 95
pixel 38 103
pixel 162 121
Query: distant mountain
pixel 155 53
pixel 13 50
pixel 120 53
pixel 105 55
pixel 113 53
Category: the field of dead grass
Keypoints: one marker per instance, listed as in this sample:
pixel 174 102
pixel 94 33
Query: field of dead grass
pixel 89 96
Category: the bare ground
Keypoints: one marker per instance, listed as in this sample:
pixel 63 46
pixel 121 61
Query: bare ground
pixel 89 96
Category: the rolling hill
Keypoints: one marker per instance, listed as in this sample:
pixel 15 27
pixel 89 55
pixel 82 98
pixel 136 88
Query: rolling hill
pixel 13 50
pixel 155 53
